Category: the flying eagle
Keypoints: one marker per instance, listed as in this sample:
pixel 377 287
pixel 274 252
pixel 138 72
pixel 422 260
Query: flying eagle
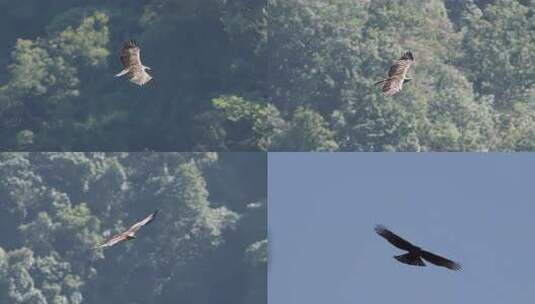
pixel 397 75
pixel 132 64
pixel 129 234
pixel 415 254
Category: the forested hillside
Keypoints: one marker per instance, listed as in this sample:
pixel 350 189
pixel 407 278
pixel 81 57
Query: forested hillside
pixel 247 75
pixel 58 60
pixel 473 86
pixel 208 243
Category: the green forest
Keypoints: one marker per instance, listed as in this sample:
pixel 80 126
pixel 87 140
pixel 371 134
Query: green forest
pixel 58 60
pixel 277 75
pixel 208 243
pixel 473 86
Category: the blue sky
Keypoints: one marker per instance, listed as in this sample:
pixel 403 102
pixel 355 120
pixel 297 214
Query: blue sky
pixel 477 209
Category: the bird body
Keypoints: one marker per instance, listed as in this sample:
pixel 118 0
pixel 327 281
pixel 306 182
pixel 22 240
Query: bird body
pixel 410 258
pixel 397 75
pixel 415 255
pixel 133 68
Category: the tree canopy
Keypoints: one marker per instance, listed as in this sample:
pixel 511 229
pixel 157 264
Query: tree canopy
pixel 473 74
pixel 58 93
pixel 55 207
pixel 277 75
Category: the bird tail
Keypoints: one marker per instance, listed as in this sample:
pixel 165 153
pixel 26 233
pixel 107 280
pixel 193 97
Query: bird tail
pixel 410 259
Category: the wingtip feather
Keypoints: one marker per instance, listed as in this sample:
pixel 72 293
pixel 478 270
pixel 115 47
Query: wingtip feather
pixel 380 228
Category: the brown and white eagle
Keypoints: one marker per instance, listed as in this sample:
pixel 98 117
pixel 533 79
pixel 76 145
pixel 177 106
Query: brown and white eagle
pixel 133 67
pixel 129 234
pixel 397 75
pixel 415 254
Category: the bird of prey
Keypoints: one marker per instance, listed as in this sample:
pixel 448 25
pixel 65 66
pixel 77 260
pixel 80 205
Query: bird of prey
pixel 397 75
pixel 129 234
pixel 415 254
pixel 133 67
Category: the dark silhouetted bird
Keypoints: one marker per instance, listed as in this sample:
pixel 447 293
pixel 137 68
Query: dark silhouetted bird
pixel 415 254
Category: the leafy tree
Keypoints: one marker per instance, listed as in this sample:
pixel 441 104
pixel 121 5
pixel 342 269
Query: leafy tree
pixel 326 57
pixel 16 281
pixel 44 77
pixel 307 131
pixel 256 253
pixel 517 129
pixel 59 92
pixel 498 46
pixel 263 120
pixel 60 205
pixel 238 74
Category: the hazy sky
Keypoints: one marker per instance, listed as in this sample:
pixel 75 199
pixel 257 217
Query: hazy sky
pixel 477 209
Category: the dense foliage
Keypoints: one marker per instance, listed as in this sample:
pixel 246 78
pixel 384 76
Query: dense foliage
pixel 246 75
pixel 58 59
pixel 474 74
pixel 207 245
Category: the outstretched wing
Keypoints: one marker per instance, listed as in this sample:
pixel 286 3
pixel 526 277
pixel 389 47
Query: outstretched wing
pixel 440 261
pixel 394 239
pixel 130 55
pixel 112 241
pixel 396 74
pixel 134 228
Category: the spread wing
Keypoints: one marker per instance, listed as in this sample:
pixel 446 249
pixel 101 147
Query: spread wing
pixel 129 232
pixel 394 239
pixel 134 228
pixel 440 261
pixel 112 241
pixel 396 74
pixel 130 55
pixel 400 67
